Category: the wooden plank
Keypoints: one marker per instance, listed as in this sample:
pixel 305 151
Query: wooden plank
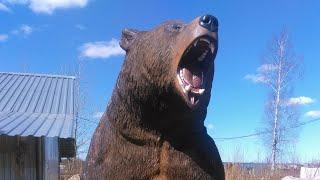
pixel 1 166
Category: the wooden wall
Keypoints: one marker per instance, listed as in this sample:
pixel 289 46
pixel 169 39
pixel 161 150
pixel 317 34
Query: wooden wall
pixel 18 158
pixel 29 158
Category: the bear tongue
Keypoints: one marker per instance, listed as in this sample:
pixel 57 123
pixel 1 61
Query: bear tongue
pixel 193 76
pixel 197 81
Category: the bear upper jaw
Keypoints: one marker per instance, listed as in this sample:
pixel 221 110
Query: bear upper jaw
pixel 193 68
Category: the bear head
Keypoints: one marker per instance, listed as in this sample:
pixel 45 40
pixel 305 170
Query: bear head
pixel 168 71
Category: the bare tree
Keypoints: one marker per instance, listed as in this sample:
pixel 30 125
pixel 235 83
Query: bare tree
pixel 85 124
pixel 278 72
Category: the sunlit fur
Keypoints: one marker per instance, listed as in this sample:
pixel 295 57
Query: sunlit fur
pixel 148 130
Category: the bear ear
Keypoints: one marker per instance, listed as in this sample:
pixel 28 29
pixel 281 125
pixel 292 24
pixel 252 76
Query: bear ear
pixel 127 37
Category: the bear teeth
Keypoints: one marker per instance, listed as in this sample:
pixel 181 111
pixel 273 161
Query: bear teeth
pixel 203 55
pixel 195 43
pixel 179 79
pixel 201 91
pixel 205 40
pixel 192 100
pixel 187 87
pixel 198 91
pixel 211 48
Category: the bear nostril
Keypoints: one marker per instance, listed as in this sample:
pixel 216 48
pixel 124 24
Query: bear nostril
pixel 209 22
pixel 206 19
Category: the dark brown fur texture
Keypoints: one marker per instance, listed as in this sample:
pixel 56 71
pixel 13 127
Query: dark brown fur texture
pixel 148 131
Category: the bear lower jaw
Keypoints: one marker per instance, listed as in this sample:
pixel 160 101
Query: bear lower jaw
pixel 192 93
pixel 196 84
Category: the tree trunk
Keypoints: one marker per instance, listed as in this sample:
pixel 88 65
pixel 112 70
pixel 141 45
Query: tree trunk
pixel 276 113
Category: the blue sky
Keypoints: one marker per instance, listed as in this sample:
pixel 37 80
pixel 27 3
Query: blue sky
pixel 42 36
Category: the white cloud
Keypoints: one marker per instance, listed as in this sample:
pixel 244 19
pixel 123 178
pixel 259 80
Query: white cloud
pixel 302 100
pixel 256 78
pixel 3 37
pixel 17 1
pixel 49 6
pixel 98 115
pixel 101 49
pixel 259 77
pixel 267 68
pixel 313 114
pixel 4 7
pixel 24 30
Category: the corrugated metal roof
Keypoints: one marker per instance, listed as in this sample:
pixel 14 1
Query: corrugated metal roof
pixel 37 105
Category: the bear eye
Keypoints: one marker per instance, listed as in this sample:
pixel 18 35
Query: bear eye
pixel 176 27
pixel 173 27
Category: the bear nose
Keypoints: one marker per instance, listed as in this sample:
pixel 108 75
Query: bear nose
pixel 209 22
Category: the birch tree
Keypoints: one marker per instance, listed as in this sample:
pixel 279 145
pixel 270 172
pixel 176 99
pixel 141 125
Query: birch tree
pixel 278 72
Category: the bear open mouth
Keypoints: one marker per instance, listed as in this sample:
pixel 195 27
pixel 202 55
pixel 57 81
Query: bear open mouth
pixel 193 68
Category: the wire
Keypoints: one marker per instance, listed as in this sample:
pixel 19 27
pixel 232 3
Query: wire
pixel 244 136
pixel 238 137
pixel 266 132
pixel 87 119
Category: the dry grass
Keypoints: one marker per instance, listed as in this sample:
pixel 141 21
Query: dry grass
pixel 70 167
pixel 236 172
pixel 233 171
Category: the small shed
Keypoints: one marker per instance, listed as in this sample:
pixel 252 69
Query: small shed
pixel 37 124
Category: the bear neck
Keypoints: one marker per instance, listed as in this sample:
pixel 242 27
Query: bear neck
pixel 149 115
